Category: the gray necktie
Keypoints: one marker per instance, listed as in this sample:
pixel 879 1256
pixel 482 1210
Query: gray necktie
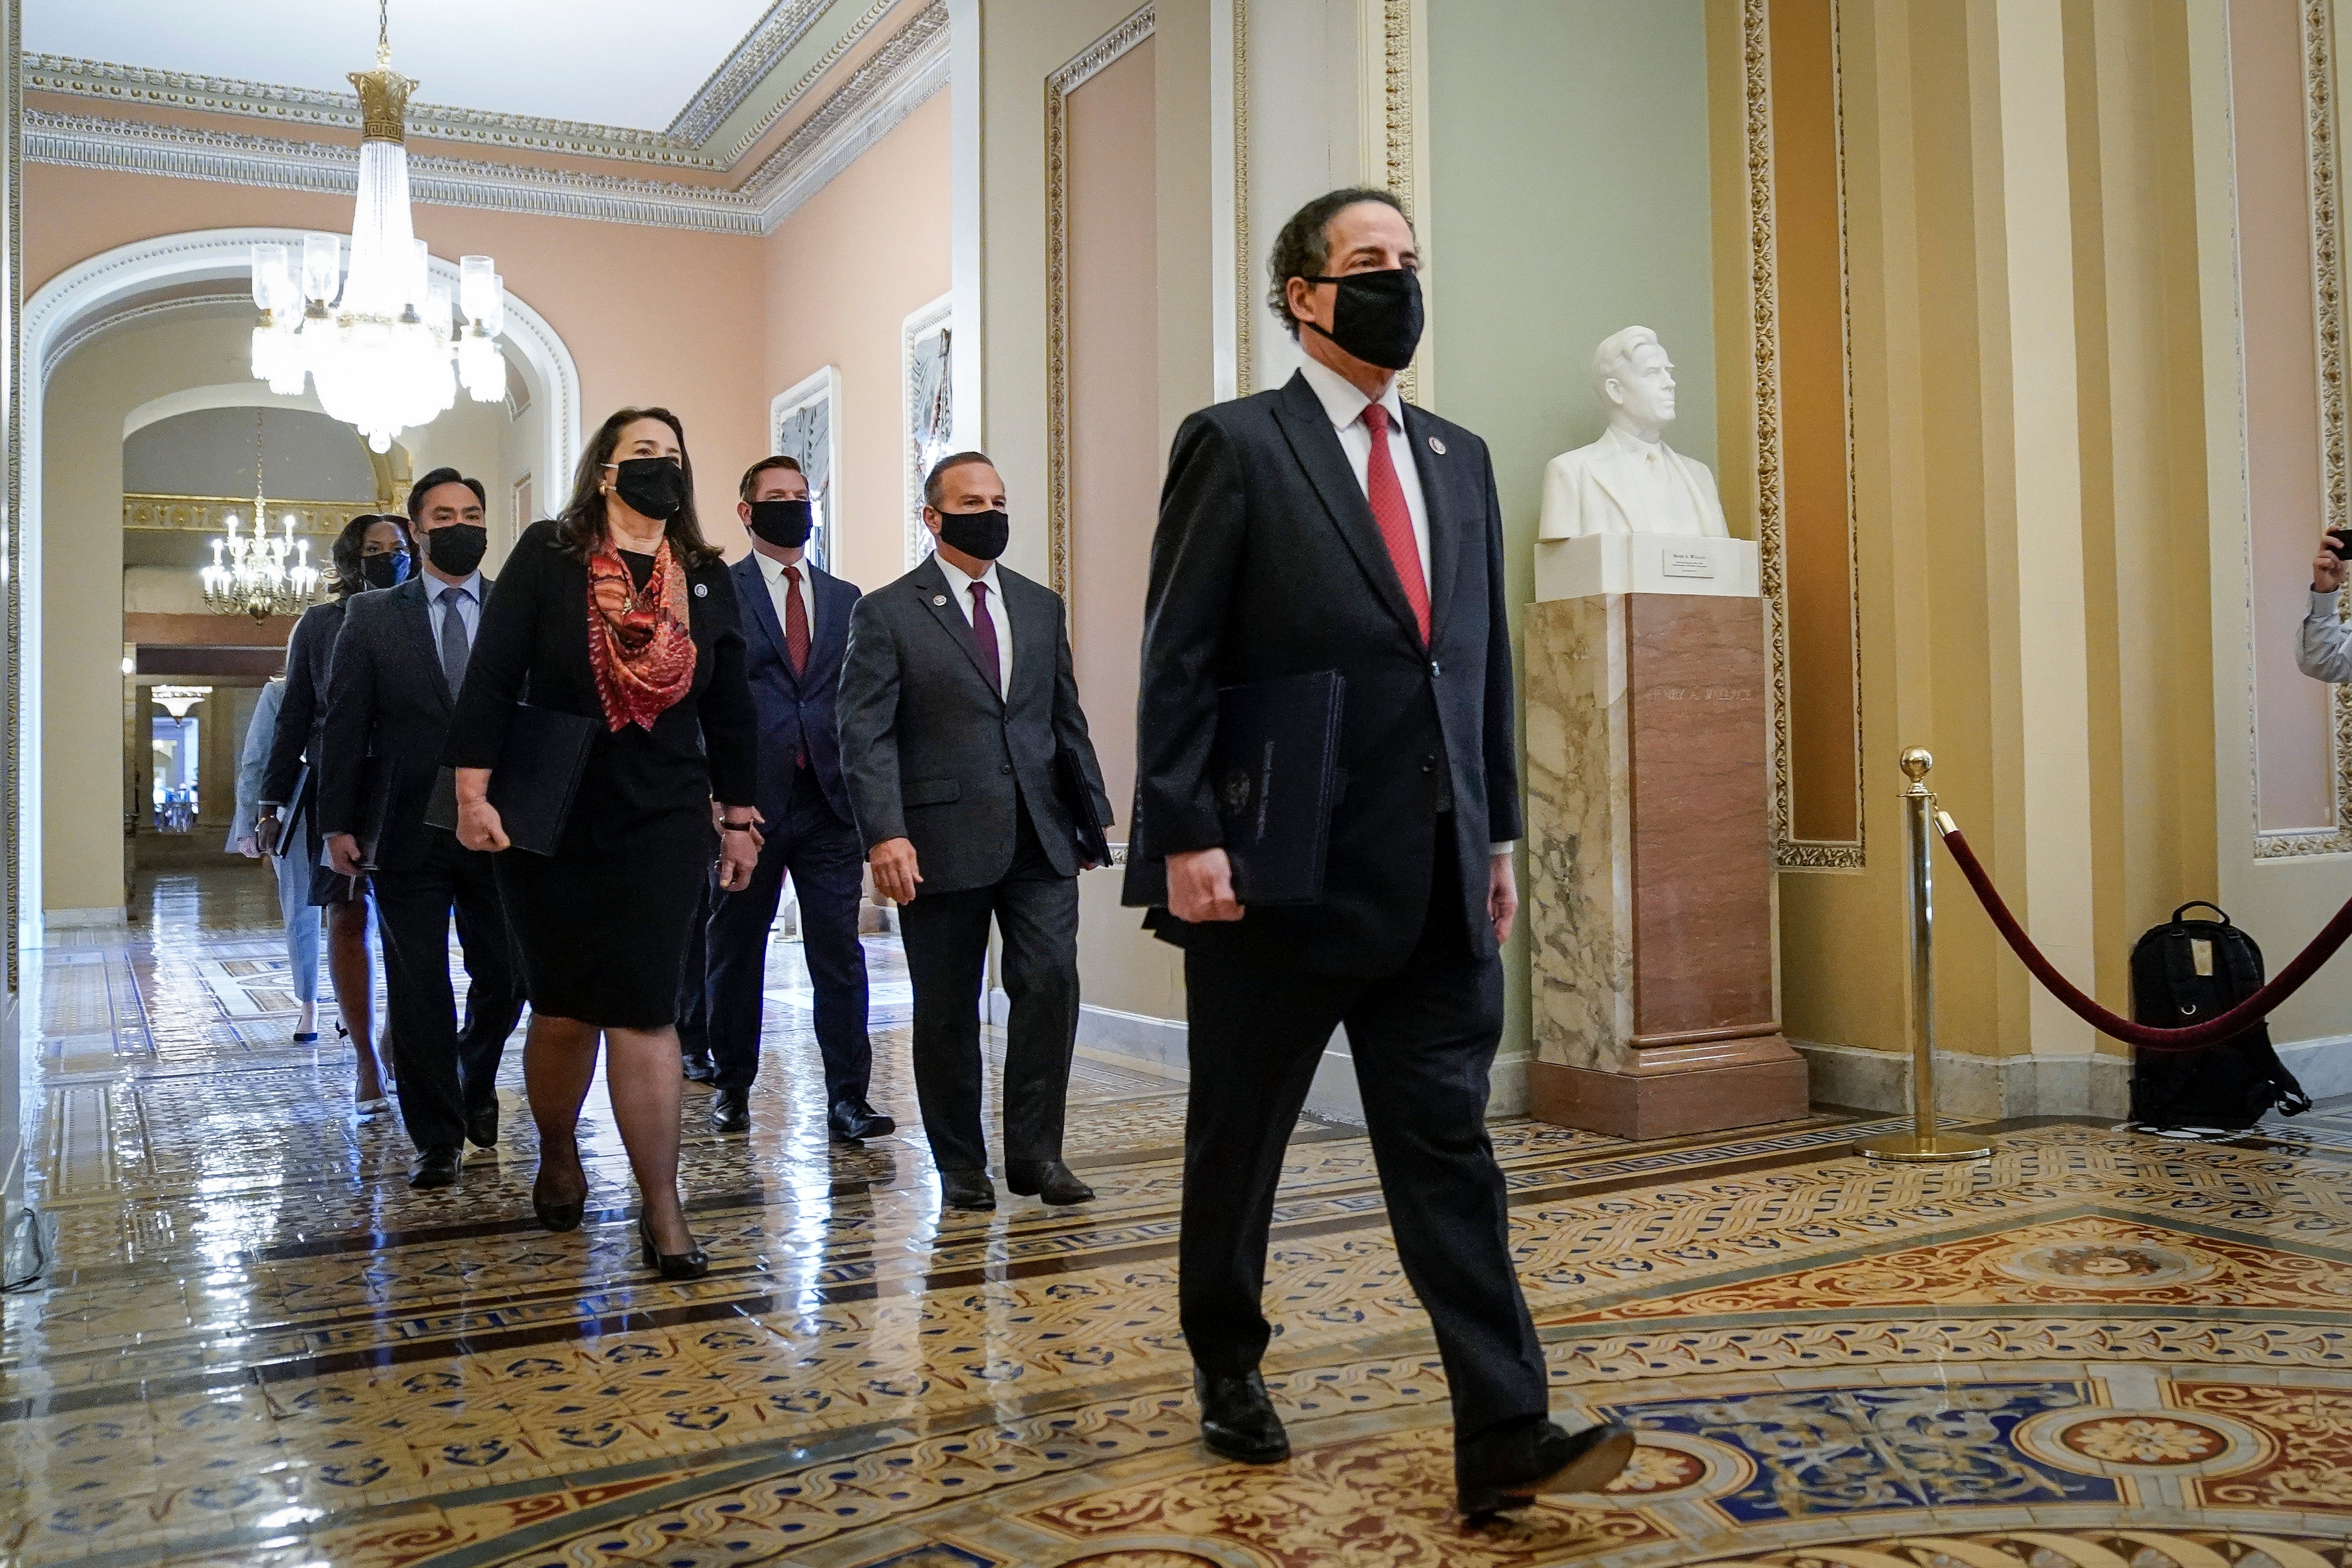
pixel 453 645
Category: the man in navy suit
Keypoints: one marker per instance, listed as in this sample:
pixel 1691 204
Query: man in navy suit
pixel 797 618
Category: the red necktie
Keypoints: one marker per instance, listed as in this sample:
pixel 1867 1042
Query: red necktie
pixel 796 637
pixel 1395 517
pixel 983 631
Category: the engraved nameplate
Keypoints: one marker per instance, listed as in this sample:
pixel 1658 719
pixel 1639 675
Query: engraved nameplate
pixel 1687 563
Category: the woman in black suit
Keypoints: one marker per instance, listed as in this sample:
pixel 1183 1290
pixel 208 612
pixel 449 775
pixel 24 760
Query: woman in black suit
pixel 619 612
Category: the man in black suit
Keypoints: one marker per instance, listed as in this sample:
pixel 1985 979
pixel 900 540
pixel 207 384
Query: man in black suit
pixel 393 683
pixel 959 717
pixel 1327 526
pixel 796 626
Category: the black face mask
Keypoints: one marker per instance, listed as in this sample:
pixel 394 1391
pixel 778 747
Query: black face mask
pixel 456 548
pixel 979 534
pixel 1376 316
pixel 388 570
pixel 782 523
pixel 653 486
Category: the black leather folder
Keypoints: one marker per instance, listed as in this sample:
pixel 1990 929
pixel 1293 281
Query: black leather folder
pixel 1078 800
pixel 1274 769
pixel 290 814
pixel 538 774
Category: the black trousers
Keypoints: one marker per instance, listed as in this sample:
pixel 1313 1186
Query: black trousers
pixel 447 1069
pixel 826 863
pixel 946 935
pixel 1423 1040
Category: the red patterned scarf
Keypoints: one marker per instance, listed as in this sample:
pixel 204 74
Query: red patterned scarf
pixel 640 642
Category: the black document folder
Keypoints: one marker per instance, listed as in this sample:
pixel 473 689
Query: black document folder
pixel 1274 769
pixel 291 814
pixel 1078 800
pixel 537 775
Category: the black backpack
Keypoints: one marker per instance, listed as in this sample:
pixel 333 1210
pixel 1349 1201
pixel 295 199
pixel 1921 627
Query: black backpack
pixel 2183 973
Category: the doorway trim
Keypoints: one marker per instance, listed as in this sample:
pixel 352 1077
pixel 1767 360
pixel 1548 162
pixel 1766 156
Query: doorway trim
pixel 83 296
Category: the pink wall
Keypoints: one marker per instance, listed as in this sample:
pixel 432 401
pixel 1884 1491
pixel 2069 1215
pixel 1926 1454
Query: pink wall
pixel 2282 455
pixel 841 277
pixel 651 315
pixel 1115 455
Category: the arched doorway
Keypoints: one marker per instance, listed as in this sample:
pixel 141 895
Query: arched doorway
pixel 152 275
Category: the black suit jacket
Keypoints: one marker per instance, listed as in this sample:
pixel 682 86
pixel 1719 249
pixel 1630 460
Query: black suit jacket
pixel 310 655
pixel 932 752
pixel 388 711
pixel 1267 563
pixel 795 713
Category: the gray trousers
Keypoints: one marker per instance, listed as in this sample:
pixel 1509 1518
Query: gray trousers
pixel 946 936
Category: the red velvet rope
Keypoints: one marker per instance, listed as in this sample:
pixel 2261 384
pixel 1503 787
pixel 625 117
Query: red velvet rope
pixel 2197 1036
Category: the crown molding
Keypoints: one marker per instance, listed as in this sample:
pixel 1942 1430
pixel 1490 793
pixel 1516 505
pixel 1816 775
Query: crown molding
pixel 901 77
pixel 139 87
pixel 909 68
pixel 136 147
pixel 686 143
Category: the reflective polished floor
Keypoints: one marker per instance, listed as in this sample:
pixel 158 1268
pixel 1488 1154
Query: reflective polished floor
pixel 255 1345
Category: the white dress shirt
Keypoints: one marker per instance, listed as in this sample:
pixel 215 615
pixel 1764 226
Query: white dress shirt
pixel 960 594
pixel 469 606
pixel 781 589
pixel 1345 404
pixel 2324 648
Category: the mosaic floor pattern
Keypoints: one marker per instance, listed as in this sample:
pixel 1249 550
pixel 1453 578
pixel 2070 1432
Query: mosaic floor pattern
pixel 256 1345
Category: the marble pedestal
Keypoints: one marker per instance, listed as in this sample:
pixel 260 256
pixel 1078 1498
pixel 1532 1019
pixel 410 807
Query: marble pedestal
pixel 1650 875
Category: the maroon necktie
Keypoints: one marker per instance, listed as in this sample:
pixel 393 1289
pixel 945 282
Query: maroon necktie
pixel 796 639
pixel 983 631
pixel 1395 519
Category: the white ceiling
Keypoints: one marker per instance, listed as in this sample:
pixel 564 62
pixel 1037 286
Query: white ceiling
pixel 605 62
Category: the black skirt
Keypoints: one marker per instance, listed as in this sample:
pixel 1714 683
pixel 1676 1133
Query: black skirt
pixel 601 927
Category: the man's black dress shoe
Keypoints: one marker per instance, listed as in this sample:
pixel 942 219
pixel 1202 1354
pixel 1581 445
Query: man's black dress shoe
pixel 966 1190
pixel 482 1128
pixel 730 1110
pixel 854 1121
pixel 1048 1180
pixel 1237 1419
pixel 697 1066
pixel 1511 1465
pixel 433 1168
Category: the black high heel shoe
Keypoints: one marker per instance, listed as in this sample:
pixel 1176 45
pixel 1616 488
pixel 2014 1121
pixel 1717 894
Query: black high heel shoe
pixel 691 1264
pixel 557 1216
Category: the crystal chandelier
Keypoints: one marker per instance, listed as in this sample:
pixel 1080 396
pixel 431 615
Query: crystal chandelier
pixel 378 339
pixel 259 574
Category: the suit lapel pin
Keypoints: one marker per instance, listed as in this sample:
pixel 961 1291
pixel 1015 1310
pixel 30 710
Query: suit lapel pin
pixel 1438 446
pixel 702 590
pixel 939 598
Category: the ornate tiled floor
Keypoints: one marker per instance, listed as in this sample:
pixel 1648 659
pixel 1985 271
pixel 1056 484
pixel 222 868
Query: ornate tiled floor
pixel 256 1346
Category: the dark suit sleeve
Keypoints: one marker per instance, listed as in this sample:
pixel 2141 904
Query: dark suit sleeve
pixel 1070 720
pixel 865 719
pixel 295 716
pixel 351 709
pixel 1195 553
pixel 730 729
pixel 1502 756
pixel 501 656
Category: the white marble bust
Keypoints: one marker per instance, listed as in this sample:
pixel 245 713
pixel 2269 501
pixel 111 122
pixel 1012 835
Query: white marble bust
pixel 1630 480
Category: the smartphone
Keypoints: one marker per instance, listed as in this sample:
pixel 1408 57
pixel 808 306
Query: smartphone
pixel 2339 544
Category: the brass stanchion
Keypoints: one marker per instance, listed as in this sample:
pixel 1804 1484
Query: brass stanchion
pixel 1923 1144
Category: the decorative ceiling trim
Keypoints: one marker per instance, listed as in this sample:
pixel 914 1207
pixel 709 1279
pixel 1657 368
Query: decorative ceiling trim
pixel 761 50
pixel 137 86
pixel 903 74
pixel 107 323
pixel 135 147
pixel 900 78
pixel 816 72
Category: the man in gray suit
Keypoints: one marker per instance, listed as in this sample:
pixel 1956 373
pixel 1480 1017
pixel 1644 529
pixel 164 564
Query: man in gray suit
pixel 959 722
